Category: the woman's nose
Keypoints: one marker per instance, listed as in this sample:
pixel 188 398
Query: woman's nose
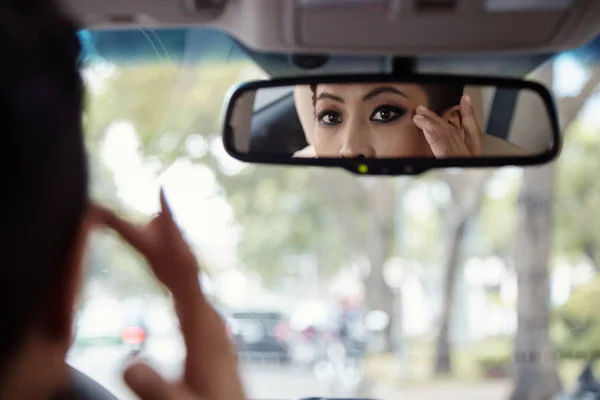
pixel 357 144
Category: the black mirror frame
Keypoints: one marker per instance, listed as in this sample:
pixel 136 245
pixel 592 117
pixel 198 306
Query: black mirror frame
pixel 406 166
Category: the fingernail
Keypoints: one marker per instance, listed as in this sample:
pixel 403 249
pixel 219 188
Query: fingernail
pixel 420 118
pixel 165 208
pixel 422 109
pixel 468 101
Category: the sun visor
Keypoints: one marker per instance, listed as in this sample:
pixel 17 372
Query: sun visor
pixel 422 26
pixel 365 27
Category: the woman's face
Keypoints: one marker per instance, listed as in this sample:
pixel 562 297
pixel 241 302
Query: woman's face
pixel 368 120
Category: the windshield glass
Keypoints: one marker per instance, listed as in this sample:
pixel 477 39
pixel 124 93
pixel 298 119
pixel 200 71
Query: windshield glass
pixel 331 285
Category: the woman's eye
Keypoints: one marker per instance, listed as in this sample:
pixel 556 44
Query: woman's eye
pixel 386 114
pixel 330 118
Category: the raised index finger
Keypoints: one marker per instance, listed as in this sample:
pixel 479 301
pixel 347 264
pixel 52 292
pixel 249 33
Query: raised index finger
pixel 131 233
pixel 473 135
pixel 422 110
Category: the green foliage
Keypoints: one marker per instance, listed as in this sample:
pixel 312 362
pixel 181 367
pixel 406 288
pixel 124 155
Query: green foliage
pixel 422 231
pixel 282 211
pixel 498 215
pixel 110 259
pixel 581 320
pixel 578 194
pixel 163 99
pixel 285 212
pixel 160 100
pixel 294 212
pixel 494 367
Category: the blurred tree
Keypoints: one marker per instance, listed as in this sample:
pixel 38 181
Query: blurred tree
pixel 423 199
pixel 108 259
pixel 498 215
pixel 582 321
pixel 537 379
pixel 163 103
pixel 467 191
pixel 578 195
pixel 282 211
pixel 380 241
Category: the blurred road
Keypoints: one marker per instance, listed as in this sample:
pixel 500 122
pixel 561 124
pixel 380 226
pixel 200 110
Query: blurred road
pixel 490 390
pixel 105 365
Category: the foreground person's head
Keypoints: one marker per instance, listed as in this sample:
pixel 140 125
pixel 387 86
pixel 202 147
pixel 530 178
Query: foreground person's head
pixel 376 120
pixel 44 195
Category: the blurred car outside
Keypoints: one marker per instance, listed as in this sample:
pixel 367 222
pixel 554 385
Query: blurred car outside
pixel 261 335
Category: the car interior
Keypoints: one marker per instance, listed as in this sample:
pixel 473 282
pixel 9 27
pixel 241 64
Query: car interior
pixel 304 38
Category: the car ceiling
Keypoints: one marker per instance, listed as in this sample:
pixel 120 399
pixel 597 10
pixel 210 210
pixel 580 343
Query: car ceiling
pixel 366 27
pixel 198 44
pixel 280 65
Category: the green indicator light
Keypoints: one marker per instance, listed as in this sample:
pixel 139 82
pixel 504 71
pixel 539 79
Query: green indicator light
pixel 363 169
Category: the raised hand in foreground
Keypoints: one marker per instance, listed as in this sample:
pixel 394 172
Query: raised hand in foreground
pixel 211 370
pixel 444 139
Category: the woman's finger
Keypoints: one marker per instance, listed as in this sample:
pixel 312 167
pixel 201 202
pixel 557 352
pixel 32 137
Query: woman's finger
pixel 211 365
pixel 433 134
pixel 131 233
pixel 448 129
pixel 165 209
pixel 148 384
pixel 473 135
pixel 426 112
pixel 432 127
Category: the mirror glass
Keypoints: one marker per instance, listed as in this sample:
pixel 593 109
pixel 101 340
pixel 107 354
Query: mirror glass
pixel 389 120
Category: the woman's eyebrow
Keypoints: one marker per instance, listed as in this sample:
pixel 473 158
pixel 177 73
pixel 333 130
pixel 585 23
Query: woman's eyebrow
pixel 380 90
pixel 330 96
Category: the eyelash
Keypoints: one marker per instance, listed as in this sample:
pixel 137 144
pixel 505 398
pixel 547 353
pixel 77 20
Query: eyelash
pixel 388 107
pixel 399 111
pixel 324 113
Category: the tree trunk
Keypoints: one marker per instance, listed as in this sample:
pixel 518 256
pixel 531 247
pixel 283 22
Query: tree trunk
pixel 380 203
pixel 535 374
pixel 535 366
pixel 454 235
pixel 589 249
pixel 467 190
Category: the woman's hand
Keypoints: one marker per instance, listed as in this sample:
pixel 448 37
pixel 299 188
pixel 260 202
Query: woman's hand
pixel 443 137
pixel 211 371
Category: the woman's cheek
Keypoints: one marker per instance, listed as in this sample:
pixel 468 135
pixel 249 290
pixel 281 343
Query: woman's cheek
pixel 423 144
pixel 326 143
pixel 397 140
pixel 419 145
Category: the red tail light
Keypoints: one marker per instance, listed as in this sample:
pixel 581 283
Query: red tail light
pixel 282 331
pixel 309 333
pixel 133 335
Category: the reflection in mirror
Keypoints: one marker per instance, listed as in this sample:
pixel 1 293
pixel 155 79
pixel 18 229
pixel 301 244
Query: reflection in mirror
pixel 391 120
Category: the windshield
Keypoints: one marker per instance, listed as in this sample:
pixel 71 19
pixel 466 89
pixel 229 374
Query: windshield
pixel 331 285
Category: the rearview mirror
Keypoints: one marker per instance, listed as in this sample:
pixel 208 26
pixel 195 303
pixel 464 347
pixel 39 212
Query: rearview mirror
pixel 379 124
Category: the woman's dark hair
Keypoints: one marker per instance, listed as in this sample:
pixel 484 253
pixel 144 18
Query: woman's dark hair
pixel 441 97
pixel 44 173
